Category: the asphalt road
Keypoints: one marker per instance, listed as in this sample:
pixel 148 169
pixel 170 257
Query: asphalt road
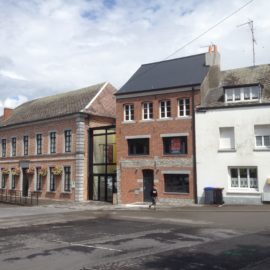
pixel 140 239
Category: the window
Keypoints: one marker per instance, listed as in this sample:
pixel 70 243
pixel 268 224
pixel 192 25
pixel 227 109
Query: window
pixel 262 136
pixel 4 147
pixel 178 183
pixel 165 109
pixel 52 142
pixel 13 183
pixel 129 112
pixel 175 145
pixel 39 144
pixel 67 179
pixel 38 179
pixel 13 147
pixel 68 140
pixel 3 182
pixel 240 94
pixel 183 107
pixel 138 146
pixel 226 138
pixel 147 110
pixel 25 145
pixel 52 180
pixel 244 178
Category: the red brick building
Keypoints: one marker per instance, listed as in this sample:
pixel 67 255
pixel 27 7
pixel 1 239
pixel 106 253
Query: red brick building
pixel 155 128
pixel 44 142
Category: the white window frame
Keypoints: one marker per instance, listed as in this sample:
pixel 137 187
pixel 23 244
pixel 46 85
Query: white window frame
pixel 239 188
pixel 184 107
pixel 242 90
pixel 128 117
pixel 12 148
pixel 166 102
pixel 232 147
pixel 262 131
pixel 148 111
pixel 50 142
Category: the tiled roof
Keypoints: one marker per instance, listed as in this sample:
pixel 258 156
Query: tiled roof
pixel 178 72
pixel 52 106
pixel 236 77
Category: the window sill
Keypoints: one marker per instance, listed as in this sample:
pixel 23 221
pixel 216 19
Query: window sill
pixel 175 155
pixel 129 122
pixel 183 118
pixel 66 192
pixel 51 192
pixel 237 191
pixel 261 149
pixel 226 150
pixel 146 120
pixel 38 191
pixel 165 119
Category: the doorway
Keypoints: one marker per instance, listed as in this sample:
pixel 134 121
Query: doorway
pixel 25 183
pixel 102 163
pixel 148 182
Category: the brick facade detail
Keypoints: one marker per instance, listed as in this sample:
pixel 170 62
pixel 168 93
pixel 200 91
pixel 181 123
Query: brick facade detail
pixel 130 168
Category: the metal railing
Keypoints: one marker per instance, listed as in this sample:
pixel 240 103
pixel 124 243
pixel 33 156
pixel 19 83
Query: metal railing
pixel 16 197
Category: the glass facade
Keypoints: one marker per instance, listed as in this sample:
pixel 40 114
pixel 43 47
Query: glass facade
pixel 102 163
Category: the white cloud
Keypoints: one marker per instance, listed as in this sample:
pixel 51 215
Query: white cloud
pixel 62 45
pixel 12 75
pixel 12 102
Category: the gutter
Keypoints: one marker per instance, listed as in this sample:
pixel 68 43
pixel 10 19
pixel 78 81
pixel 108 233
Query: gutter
pixel 156 89
pixel 194 148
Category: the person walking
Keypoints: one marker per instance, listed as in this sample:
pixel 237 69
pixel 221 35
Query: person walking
pixel 154 195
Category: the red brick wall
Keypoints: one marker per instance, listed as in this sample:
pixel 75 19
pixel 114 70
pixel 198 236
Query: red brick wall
pixel 131 178
pixel 46 159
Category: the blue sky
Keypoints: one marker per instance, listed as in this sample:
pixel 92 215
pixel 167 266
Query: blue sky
pixel 53 46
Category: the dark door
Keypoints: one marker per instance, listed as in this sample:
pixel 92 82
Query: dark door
pixel 148 182
pixel 25 183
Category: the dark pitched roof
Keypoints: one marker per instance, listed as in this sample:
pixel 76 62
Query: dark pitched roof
pixel 237 77
pixel 53 106
pixel 190 70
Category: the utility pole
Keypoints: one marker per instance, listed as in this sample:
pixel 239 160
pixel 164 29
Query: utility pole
pixel 251 27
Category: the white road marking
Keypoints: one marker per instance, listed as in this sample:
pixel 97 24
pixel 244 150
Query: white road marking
pixel 88 246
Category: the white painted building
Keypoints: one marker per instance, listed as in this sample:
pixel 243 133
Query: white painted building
pixel 233 137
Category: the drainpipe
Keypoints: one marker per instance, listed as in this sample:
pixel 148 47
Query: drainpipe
pixel 194 147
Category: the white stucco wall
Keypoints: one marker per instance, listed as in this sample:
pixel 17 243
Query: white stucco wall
pixel 212 165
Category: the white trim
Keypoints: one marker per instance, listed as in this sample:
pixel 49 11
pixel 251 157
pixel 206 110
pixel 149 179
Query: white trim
pixel 138 137
pixel 174 135
pixel 95 97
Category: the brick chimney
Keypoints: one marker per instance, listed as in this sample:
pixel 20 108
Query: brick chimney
pixel 212 57
pixel 7 113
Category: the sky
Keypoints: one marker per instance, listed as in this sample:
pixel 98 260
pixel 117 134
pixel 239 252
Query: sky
pixel 53 46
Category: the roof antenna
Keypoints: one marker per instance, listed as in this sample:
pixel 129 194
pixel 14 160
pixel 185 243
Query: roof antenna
pixel 251 27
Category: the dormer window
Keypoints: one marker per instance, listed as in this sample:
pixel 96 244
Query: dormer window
pixel 242 94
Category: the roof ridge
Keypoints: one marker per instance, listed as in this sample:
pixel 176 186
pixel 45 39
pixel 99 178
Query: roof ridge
pixel 248 67
pixel 167 60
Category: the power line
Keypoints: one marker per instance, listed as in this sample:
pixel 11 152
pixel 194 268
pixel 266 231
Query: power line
pixel 209 29
pixel 194 39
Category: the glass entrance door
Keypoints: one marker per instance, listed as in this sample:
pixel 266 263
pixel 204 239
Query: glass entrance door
pixel 103 188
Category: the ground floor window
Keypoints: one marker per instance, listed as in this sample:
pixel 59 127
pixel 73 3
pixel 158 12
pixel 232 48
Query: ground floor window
pixel 243 177
pixel 13 184
pixel 52 180
pixel 3 182
pixel 67 179
pixel 38 179
pixel 177 183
